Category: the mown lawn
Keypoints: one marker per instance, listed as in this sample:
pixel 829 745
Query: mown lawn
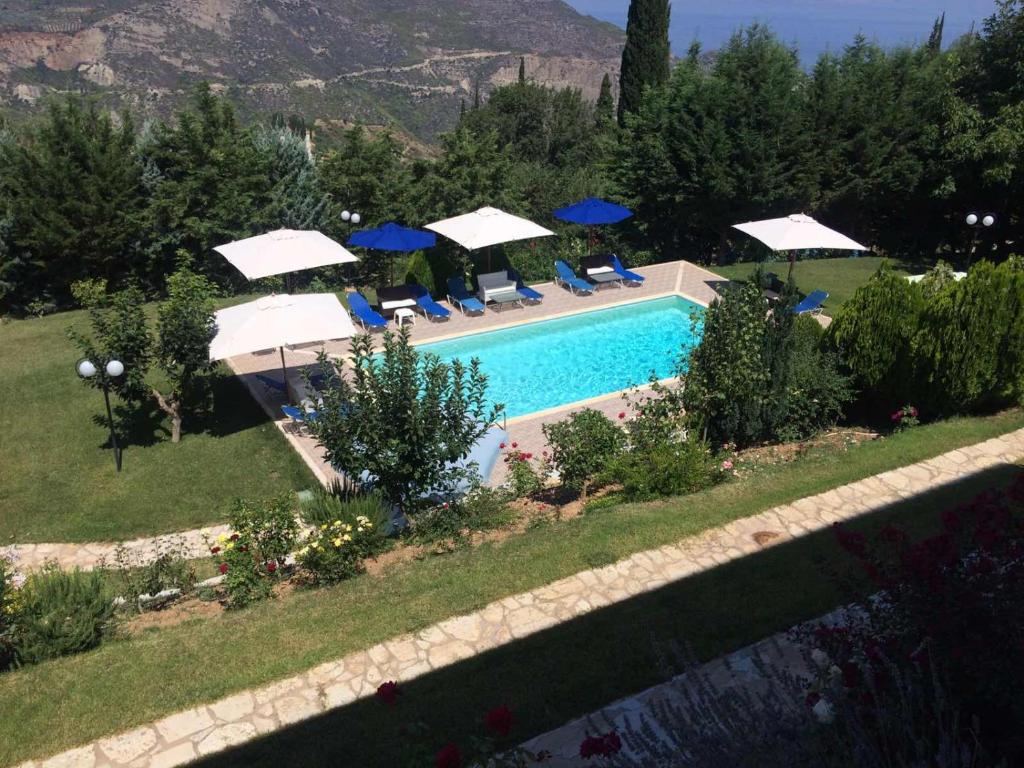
pixel 56 705
pixel 57 475
pixel 839 277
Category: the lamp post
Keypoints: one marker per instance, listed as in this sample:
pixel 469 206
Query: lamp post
pixel 113 369
pixel 977 222
pixel 355 218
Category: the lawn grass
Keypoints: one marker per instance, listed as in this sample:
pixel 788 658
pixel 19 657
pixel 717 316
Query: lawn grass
pixel 839 277
pixel 57 475
pixel 58 704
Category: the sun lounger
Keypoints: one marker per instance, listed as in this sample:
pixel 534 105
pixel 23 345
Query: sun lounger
pixel 459 296
pixel 565 276
pixel 364 313
pixel 426 303
pixel 629 277
pixel 811 305
pixel 525 291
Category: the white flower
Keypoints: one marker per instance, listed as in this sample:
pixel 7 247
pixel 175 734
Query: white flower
pixel 18 580
pixel 823 711
pixel 820 658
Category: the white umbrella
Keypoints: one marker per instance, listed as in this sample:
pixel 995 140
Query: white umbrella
pixel 797 233
pixel 279 321
pixel 284 250
pixel 486 227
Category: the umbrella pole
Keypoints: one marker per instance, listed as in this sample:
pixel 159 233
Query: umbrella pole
pixel 792 261
pixel 284 370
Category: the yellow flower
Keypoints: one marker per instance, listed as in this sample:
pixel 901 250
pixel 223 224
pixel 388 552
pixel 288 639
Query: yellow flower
pixel 303 551
pixel 337 543
pixel 348 527
pixel 222 538
pixel 337 523
pixel 347 537
pixel 323 527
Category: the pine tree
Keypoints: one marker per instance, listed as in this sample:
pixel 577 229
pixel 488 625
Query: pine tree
pixel 522 70
pixel 645 58
pixel 604 109
pixel 934 44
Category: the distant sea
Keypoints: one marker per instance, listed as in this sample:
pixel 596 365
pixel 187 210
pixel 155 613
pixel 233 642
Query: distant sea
pixel 813 26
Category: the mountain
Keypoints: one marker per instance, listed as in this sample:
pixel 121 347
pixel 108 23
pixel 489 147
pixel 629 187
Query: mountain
pixel 401 62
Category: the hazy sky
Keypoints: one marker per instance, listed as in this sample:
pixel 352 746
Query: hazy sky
pixel 813 25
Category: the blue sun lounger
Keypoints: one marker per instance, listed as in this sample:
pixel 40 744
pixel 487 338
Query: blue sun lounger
pixel 431 308
pixel 459 296
pixel 565 276
pixel 811 305
pixel 364 313
pixel 625 274
pixel 297 416
pixel 525 291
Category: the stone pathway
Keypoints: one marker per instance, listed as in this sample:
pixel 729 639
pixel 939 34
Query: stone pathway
pixel 212 727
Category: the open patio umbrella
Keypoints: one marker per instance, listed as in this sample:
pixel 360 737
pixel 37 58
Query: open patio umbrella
pixel 279 321
pixel 392 237
pixel 283 250
pixel 797 233
pixel 592 212
pixel 486 227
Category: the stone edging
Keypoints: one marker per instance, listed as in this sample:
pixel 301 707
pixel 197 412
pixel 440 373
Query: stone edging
pixel 207 729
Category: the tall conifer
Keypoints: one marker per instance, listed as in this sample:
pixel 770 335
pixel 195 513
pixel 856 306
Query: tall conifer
pixel 645 59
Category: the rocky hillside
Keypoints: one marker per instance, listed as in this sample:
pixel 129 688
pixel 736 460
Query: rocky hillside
pixel 405 62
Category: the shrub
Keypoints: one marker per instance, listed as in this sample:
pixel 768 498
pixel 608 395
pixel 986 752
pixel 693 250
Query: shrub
pixel 341 502
pixel 873 332
pixel 335 551
pixel 523 478
pixel 668 469
pixel 405 420
pixel 268 527
pixel 247 577
pixel 61 613
pixel 10 605
pixel 582 446
pixel 904 418
pixel 167 570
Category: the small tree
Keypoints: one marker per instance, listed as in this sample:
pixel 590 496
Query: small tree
pixel 401 419
pixel 582 446
pixel 119 332
pixel 185 328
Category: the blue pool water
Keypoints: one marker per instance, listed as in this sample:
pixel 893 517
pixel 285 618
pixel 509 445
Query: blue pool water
pixel 555 362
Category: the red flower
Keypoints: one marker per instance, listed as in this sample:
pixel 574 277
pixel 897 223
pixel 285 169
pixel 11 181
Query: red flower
pixel 223 568
pixel 388 692
pixel 214 550
pixel 913 412
pixel 622 414
pixel 529 456
pixel 271 566
pixel 502 446
pixel 812 698
pixel 600 746
pixel 515 445
pixel 234 537
pixel 499 720
pixel 448 756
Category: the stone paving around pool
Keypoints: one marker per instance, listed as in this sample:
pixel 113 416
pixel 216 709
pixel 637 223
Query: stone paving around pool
pixel 210 728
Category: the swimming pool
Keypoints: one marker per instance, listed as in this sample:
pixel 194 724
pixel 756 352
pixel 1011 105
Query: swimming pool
pixel 555 362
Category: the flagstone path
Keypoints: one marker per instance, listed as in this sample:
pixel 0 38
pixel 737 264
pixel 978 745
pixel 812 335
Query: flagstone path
pixel 209 728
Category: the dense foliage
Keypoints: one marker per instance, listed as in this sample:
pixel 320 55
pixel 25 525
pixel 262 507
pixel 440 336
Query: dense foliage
pixel 950 346
pixel 891 146
pixel 582 446
pixel 401 421
pixel 761 375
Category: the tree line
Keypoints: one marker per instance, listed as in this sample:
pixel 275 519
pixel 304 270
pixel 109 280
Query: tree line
pixel 891 146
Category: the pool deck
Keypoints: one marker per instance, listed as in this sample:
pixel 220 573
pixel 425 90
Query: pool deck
pixel 679 278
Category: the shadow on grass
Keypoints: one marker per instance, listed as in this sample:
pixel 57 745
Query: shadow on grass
pixel 583 664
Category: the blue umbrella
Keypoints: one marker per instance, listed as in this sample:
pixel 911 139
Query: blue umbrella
pixel 593 211
pixel 392 237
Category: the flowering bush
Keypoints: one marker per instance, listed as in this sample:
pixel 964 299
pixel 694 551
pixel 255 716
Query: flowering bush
pixel 582 445
pixel 904 418
pixel 335 552
pixel 524 478
pixel 949 617
pixel 269 526
pixel 248 578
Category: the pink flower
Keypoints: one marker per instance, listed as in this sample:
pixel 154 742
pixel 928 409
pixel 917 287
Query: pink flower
pixel 622 414
pixel 727 464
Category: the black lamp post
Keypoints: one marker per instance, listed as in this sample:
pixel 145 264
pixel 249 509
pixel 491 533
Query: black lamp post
pixel 86 368
pixel 977 222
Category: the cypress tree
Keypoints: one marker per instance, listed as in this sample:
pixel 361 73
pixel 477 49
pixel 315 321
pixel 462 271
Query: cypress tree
pixel 476 95
pixel 645 59
pixel 522 70
pixel 604 109
pixel 934 44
